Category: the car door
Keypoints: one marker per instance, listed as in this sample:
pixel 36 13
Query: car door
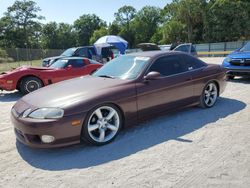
pixel 172 90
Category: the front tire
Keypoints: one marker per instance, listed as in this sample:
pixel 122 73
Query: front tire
pixel 102 125
pixel 230 77
pixel 209 95
pixel 30 84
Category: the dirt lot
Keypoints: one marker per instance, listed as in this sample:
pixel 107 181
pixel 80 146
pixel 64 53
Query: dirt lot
pixel 191 148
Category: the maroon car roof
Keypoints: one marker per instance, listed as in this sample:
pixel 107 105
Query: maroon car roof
pixel 153 54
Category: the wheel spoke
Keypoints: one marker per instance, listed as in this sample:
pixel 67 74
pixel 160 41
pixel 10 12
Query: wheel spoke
pixel 207 100
pixel 93 127
pixel 206 92
pixel 210 87
pixel 214 92
pixel 102 135
pixel 99 113
pixel 111 114
pixel 211 99
pixel 112 127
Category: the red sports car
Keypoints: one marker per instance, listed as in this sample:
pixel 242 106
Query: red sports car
pixel 27 79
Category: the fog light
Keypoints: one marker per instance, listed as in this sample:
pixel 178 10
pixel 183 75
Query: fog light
pixel 47 139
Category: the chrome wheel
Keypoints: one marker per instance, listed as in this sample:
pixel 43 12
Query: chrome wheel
pixel 32 85
pixel 210 94
pixel 103 124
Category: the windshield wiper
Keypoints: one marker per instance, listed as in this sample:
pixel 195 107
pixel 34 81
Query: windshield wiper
pixel 106 76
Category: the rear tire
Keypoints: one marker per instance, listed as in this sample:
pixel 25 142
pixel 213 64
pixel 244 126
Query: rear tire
pixel 209 95
pixel 30 84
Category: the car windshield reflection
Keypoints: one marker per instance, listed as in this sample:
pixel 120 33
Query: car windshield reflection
pixel 246 48
pixel 126 67
pixel 68 52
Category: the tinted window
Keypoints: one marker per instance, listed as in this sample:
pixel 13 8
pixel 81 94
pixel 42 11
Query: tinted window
pixel 82 52
pixel 168 65
pixel 92 51
pixel 191 62
pixel 193 49
pixel 76 63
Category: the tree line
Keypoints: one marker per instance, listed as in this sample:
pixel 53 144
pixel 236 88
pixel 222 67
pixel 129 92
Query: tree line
pixel 195 21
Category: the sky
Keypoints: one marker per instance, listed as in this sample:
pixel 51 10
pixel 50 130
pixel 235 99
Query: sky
pixel 68 11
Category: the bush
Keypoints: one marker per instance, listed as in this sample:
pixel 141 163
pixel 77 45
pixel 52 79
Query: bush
pixel 6 60
pixel 3 53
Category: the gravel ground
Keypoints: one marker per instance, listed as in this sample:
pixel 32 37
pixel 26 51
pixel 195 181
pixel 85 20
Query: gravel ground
pixel 190 148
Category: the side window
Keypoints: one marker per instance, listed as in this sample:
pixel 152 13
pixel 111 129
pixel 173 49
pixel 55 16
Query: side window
pixel 183 48
pixel 167 66
pixel 191 62
pixel 76 63
pixel 193 49
pixel 82 52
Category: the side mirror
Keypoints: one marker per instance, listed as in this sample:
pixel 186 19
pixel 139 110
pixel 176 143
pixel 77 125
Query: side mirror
pixel 69 67
pixel 153 76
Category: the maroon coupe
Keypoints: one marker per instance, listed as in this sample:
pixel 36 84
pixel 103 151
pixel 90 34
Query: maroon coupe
pixel 126 90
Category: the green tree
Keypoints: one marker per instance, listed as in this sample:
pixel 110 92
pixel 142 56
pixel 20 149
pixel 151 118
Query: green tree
pixel 97 34
pixel 145 23
pixel 114 28
pixel 20 23
pixel 85 27
pixel 58 36
pixel 49 36
pixel 190 13
pixel 173 31
pixel 227 20
pixel 123 18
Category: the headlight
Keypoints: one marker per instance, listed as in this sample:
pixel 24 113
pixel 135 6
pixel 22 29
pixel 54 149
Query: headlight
pixel 228 59
pixel 45 113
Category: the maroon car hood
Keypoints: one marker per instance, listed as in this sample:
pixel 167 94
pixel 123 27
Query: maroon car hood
pixel 71 91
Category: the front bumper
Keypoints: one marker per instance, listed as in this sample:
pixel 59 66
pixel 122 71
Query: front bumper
pixel 238 72
pixel 28 130
pixel 7 86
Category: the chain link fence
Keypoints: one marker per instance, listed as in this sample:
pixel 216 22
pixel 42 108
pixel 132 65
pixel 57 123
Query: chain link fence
pixel 16 57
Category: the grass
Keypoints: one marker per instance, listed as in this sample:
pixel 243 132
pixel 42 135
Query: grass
pixel 10 66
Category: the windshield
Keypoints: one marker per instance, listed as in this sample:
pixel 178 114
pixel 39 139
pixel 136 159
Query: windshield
pixel 68 52
pixel 245 48
pixel 126 67
pixel 61 63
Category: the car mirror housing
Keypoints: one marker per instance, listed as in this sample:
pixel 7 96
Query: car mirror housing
pixel 69 67
pixel 153 76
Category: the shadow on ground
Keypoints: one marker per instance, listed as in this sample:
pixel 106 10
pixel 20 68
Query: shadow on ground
pixel 10 97
pixel 130 141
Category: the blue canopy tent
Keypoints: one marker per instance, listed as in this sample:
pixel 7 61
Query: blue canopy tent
pixel 111 40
